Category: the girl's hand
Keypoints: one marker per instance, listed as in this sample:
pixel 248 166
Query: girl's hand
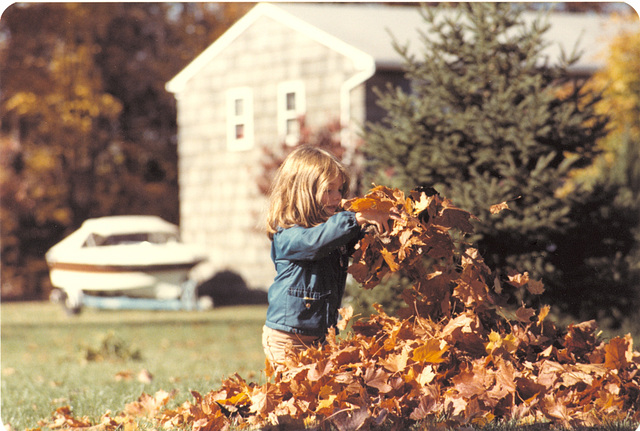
pixel 376 218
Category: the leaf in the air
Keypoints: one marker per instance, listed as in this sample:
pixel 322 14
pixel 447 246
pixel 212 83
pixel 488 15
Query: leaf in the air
pixel 495 209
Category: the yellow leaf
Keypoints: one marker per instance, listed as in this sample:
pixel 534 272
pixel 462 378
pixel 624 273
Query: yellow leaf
pixel 519 280
pixel 426 376
pixel 495 209
pixel 346 313
pixel 396 362
pixel 326 403
pixel 496 341
pixel 544 311
pixel 241 398
pixel 430 352
pixel 390 259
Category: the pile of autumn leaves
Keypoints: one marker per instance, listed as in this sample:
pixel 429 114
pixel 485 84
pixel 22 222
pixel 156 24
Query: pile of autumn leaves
pixel 456 355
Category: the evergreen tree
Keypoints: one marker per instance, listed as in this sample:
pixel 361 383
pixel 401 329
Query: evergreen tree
pixel 490 119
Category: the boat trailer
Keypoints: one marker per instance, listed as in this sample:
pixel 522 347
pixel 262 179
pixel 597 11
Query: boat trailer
pixel 73 301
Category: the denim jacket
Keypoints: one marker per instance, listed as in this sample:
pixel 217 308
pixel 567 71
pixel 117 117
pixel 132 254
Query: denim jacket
pixel 311 271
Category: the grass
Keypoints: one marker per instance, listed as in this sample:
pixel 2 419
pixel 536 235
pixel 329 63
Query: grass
pixel 91 361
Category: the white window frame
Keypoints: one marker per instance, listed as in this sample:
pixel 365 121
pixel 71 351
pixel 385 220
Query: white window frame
pixel 286 114
pixel 243 119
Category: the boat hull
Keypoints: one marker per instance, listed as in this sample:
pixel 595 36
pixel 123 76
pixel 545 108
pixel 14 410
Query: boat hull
pixel 152 281
pixel 133 256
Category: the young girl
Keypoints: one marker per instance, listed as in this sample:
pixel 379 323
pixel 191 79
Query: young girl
pixel 311 244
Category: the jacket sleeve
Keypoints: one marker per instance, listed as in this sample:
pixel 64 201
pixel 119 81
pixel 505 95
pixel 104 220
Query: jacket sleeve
pixel 298 243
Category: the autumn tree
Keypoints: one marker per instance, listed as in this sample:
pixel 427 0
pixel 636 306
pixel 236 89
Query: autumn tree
pixel 490 119
pixel 60 123
pixel 612 181
pixel 87 128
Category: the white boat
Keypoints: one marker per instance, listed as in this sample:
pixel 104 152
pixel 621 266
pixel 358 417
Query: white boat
pixel 132 256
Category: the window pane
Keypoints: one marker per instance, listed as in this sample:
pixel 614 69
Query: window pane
pixel 239 131
pixel 239 106
pixel 291 101
pixel 293 127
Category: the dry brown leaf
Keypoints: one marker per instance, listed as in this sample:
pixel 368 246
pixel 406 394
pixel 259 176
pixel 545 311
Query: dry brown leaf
pixel 616 353
pixel 346 313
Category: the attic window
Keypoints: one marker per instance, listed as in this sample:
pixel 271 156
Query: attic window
pixel 239 119
pixel 291 106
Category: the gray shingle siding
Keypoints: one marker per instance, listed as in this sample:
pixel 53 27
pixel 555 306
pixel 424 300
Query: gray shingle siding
pixel 221 206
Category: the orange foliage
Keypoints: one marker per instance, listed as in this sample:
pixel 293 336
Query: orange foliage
pixel 452 356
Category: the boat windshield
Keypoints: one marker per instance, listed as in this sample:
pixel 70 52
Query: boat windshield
pixel 95 240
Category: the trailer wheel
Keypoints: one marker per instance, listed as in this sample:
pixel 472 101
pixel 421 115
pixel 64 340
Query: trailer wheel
pixel 71 304
pixel 71 309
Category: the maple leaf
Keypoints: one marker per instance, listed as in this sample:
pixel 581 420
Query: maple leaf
pixel 377 378
pixel 616 353
pixel 397 361
pixel 555 409
pixel 519 280
pixel 575 374
pixel 215 423
pixel 426 407
pixel 63 418
pixel 452 217
pixel 504 382
pixel 467 383
pixel 417 204
pixel 390 259
pixel 464 323
pixel 528 388
pixel 455 405
pixel 497 341
pixel 497 208
pixel 535 287
pixel 148 405
pixel 525 314
pixel 350 419
pixel 580 338
pixel 319 370
pixel 326 398
pixel 262 399
pixel 346 313
pixel 426 376
pixel 431 351
pixel 542 314
pixel 237 399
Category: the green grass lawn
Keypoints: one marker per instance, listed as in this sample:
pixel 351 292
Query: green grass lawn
pixel 91 361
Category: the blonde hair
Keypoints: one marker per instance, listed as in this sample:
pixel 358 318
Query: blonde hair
pixel 298 187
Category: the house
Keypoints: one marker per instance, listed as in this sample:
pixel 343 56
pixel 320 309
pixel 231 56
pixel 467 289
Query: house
pixel 278 62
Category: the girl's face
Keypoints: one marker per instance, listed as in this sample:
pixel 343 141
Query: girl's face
pixel 332 197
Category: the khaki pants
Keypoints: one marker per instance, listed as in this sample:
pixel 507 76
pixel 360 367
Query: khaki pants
pixel 276 343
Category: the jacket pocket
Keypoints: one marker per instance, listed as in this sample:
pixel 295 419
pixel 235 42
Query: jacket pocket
pixel 308 308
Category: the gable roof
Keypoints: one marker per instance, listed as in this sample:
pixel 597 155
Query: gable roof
pixel 365 33
pixel 361 59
